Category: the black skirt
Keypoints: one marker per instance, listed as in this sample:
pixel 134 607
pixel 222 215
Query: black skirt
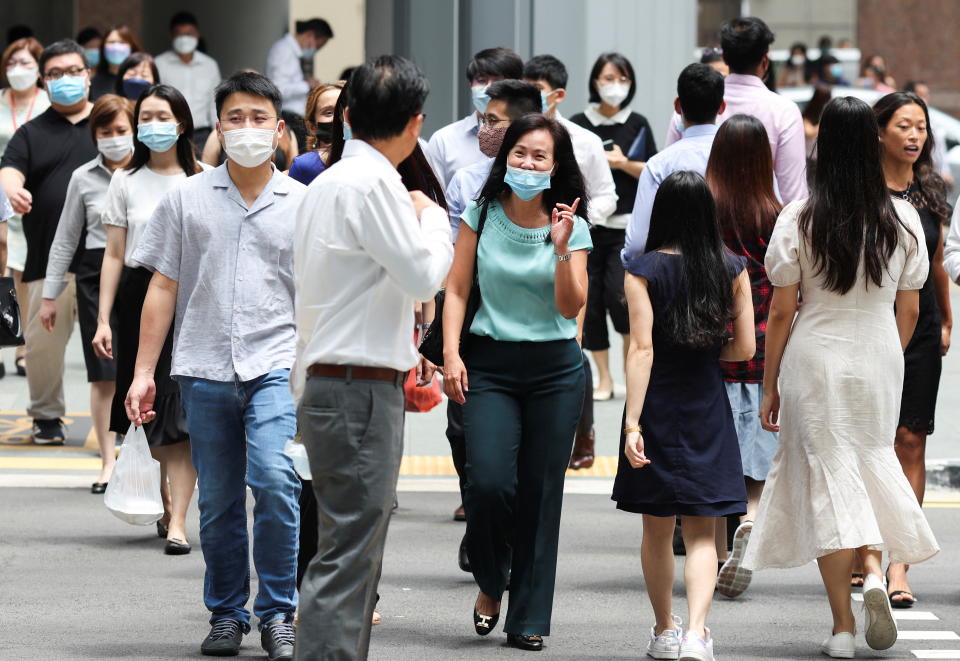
pixel 170 425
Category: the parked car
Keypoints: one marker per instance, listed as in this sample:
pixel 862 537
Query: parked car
pixel 948 125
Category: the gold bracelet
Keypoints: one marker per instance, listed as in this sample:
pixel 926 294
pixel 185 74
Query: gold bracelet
pixel 630 430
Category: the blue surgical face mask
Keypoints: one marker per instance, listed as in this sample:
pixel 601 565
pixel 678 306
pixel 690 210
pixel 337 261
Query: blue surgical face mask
pixel 67 90
pixel 347 132
pixel 93 57
pixel 116 53
pixel 480 98
pixel 134 87
pixel 527 184
pixel 545 104
pixel 307 53
pixel 158 136
pixel 836 70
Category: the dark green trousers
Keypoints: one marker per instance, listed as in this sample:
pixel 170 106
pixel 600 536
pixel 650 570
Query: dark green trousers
pixel 520 418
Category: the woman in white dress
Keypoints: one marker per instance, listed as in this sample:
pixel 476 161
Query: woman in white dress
pixel 836 487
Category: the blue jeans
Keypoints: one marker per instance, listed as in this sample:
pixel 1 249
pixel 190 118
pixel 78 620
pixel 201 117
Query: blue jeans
pixel 237 433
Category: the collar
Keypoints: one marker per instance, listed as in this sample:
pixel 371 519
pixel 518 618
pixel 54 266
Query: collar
pixel 698 130
pixel 98 163
pixel 599 119
pixel 290 39
pixel 279 184
pixel 745 79
pixel 359 148
pixel 470 124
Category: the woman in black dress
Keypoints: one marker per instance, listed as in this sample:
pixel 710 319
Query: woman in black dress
pixel 908 168
pixel 680 454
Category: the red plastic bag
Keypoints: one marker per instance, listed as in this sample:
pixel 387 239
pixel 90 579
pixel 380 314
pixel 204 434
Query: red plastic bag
pixel 421 400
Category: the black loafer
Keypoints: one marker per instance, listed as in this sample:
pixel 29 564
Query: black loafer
pixel 98 487
pixel 484 624
pixel 524 642
pixel 176 547
pixel 463 560
pixel 223 640
pixel 162 531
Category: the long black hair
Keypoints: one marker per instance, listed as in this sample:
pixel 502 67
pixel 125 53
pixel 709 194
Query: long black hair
pixel 566 184
pixel 930 191
pixel 849 217
pixel 186 156
pixel 684 218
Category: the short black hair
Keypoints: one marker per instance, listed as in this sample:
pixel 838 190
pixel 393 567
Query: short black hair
pixel 19 31
pixel 384 94
pixel 316 25
pixel 621 64
pixel 521 98
pixel 496 62
pixel 88 33
pixel 700 88
pixel 248 82
pixel 548 68
pixel 745 41
pixel 912 85
pixel 346 73
pixel 183 18
pixel 62 47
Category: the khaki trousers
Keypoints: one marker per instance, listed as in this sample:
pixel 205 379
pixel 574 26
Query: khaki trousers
pixel 45 351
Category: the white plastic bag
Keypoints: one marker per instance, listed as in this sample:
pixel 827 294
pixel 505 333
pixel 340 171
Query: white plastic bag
pixel 133 493
pixel 298 453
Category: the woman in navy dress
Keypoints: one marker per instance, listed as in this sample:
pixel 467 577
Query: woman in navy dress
pixel 680 455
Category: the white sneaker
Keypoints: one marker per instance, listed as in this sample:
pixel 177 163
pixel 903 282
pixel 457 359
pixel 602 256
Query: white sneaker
pixel 839 646
pixel 881 629
pixel 695 648
pixel 667 644
pixel 734 579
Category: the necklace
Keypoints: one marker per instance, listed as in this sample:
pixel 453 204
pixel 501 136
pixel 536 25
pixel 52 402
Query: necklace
pixel 903 194
pixel 13 108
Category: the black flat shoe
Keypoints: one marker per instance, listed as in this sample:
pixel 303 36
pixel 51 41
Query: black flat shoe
pixel 524 642
pixel 176 547
pixel 98 487
pixel 162 531
pixel 463 560
pixel 484 624
pixel 21 365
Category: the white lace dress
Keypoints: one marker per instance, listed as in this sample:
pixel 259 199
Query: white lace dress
pixel 836 482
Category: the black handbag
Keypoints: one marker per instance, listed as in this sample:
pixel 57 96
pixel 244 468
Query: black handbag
pixel 11 324
pixel 431 346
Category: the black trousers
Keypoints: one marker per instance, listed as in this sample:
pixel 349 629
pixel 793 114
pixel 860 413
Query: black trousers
pixel 519 420
pixel 605 293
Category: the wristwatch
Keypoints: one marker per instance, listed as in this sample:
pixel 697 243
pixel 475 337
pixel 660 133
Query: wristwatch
pixel 565 257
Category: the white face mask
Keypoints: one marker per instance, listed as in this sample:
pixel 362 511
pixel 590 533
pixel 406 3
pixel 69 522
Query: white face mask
pixel 797 60
pixel 249 147
pixel 613 93
pixel 22 78
pixel 185 44
pixel 116 148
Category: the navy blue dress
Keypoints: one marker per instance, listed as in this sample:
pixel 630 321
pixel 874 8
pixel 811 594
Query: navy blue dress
pixel 688 430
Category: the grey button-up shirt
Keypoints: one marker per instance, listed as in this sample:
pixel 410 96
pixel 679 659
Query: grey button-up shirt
pixel 234 266
pixel 86 198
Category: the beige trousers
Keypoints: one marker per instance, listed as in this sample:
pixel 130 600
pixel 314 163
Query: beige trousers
pixel 45 352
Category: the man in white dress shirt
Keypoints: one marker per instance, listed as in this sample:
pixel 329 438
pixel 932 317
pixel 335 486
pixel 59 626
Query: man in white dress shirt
pixel 195 74
pixel 355 344
pixel 285 69
pixel 455 146
pixel 550 75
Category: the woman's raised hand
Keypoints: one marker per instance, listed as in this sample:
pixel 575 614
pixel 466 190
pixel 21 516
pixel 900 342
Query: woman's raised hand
pixel 561 225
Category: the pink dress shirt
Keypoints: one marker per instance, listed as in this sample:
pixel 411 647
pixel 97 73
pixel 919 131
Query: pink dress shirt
pixel 748 95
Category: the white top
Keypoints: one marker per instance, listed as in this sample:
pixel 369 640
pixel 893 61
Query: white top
pixel 597 118
pixel 10 121
pixel 453 147
pixel 196 80
pixel 951 249
pixel 283 68
pixel 131 199
pixel 588 149
pixel 361 260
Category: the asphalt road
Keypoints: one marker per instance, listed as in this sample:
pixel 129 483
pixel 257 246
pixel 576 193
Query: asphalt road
pixel 78 583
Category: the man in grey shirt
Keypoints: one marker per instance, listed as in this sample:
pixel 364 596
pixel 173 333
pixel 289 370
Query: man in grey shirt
pixel 221 247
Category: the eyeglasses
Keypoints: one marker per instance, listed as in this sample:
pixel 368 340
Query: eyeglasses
pixel 713 51
pixel 23 62
pixel 57 74
pixel 492 121
pixel 259 121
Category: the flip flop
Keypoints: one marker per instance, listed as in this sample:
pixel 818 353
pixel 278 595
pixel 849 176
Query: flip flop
pixel 908 602
pixel 856 580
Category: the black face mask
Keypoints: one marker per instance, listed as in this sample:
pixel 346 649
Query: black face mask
pixel 323 132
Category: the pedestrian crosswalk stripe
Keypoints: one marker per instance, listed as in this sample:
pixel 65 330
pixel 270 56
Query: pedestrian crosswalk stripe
pixel 914 615
pixel 936 654
pixel 928 635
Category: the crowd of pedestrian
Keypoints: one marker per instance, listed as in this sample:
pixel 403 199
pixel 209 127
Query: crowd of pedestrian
pixel 249 260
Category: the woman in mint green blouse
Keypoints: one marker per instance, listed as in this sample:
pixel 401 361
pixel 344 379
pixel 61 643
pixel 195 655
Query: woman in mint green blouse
pixel 519 374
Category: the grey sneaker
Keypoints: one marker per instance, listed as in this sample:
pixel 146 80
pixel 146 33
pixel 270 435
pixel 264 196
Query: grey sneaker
pixel 224 639
pixel 277 640
pixel 667 644
pixel 49 432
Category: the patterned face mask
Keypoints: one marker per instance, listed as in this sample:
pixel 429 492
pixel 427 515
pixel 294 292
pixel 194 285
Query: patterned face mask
pixel 491 137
